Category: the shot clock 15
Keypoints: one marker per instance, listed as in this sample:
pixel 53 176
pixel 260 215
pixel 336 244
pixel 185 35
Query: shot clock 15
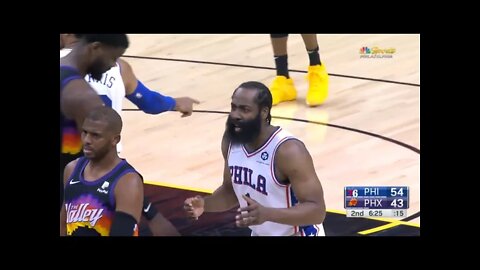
pixel 376 201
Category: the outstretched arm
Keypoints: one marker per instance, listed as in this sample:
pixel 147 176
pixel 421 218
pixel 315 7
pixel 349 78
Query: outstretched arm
pixel 149 101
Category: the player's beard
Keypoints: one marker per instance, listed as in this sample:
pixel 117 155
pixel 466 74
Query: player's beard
pixel 249 130
pixel 97 69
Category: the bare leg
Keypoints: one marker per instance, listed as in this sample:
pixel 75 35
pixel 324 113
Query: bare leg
pixel 310 41
pixel 279 46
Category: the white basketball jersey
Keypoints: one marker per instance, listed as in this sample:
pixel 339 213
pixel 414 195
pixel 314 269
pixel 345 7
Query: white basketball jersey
pixel 253 174
pixel 110 88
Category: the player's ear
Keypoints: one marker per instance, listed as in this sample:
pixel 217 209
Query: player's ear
pixel 94 47
pixel 116 139
pixel 264 113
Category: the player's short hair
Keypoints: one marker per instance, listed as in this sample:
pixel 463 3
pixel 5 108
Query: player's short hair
pixel 114 40
pixel 108 115
pixel 263 98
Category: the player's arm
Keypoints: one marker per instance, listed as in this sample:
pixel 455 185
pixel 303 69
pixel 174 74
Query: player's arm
pixel 63 213
pixel 129 202
pixel 160 226
pixel 295 163
pixel 149 101
pixel 78 99
pixel 223 198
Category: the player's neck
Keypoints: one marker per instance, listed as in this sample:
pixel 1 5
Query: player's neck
pixel 96 169
pixel 265 133
pixel 107 162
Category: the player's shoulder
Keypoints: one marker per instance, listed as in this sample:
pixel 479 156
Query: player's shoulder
pixel 132 175
pixel 70 168
pixel 131 180
pixel 73 163
pixel 122 63
pixel 68 74
pixel 291 146
pixel 282 133
pixel 123 66
pixel 128 170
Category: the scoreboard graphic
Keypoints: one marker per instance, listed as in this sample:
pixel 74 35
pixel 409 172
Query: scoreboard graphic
pixel 376 201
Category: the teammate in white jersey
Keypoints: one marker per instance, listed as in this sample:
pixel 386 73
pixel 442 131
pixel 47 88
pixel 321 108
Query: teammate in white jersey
pixel 120 82
pixel 267 171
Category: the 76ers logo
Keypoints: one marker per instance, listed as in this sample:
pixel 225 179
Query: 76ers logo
pixel 264 156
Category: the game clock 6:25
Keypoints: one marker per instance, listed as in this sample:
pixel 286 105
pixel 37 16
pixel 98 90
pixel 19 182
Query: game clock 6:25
pixel 375 213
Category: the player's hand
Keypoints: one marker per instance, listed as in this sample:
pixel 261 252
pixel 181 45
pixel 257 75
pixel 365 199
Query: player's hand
pixel 185 105
pixel 253 214
pixel 194 207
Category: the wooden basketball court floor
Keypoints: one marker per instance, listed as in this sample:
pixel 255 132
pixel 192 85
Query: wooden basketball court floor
pixel 367 132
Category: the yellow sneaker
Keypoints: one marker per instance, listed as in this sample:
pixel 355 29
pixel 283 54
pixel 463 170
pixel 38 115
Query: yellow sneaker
pixel 318 85
pixel 282 89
